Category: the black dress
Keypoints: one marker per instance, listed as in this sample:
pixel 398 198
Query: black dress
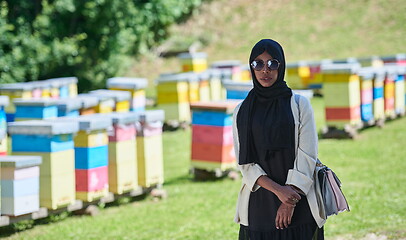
pixel 263 204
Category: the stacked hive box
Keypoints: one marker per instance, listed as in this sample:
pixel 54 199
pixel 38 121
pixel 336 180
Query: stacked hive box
pixel 316 76
pixel 54 90
pixel 173 96
pixel 297 75
pixel 35 109
pixel 37 87
pixel 19 184
pixel 212 135
pixel 246 73
pixel 215 84
pixel 204 86
pixel 4 101
pixel 69 107
pixel 400 100
pixel 105 103
pixel 136 87
pixel 67 86
pixel 122 153
pixel 88 104
pixel 366 77
pixel 378 99
pixel 13 91
pixel 399 59
pixel 193 62
pixel 91 157
pixel 233 66
pixel 53 141
pixel 389 92
pixel 341 88
pixel 121 98
pixel 237 90
pixel 149 148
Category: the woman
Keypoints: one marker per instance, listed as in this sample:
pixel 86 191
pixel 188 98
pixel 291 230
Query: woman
pixel 275 140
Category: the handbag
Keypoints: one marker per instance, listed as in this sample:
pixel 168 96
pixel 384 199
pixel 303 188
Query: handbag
pixel 333 197
pixel 329 195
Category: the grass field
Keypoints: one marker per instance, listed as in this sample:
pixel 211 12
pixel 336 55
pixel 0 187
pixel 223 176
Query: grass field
pixel 371 169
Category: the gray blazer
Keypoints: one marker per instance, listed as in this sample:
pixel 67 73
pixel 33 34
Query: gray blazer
pixel 302 174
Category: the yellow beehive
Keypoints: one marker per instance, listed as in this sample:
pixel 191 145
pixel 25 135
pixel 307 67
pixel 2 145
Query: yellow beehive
pixel 150 161
pixel 123 176
pixel 172 92
pixel 216 89
pixel 179 111
pixel 94 138
pixel 92 195
pixel 193 62
pixel 194 90
pixel 13 91
pixel 297 75
pixel 57 191
pixel 204 86
pixel 340 94
pixel 53 163
pixel 123 151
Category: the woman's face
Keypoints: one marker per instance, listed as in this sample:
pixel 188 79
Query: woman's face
pixel 265 76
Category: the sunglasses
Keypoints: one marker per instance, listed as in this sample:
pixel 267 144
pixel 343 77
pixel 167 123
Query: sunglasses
pixel 272 64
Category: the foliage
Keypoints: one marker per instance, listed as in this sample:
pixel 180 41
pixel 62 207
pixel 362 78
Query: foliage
pixel 88 39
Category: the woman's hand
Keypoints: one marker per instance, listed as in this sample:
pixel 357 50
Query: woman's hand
pixel 287 195
pixel 284 216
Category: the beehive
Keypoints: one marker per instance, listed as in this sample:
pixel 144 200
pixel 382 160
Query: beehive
pixel 19 184
pixel 193 62
pixel 53 141
pixel 237 90
pixel 212 136
pixel 121 98
pixel 136 87
pixel 342 98
pixel 123 175
pixel 149 148
pixel 91 157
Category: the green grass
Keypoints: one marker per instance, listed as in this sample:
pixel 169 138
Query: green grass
pixel 371 169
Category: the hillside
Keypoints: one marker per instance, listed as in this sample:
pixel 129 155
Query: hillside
pixel 308 30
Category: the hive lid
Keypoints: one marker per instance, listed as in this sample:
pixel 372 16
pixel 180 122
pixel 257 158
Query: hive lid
pixel 188 55
pixel 225 64
pixel 178 77
pixel 35 102
pixel 16 87
pixel 44 127
pixel 94 122
pixel 117 95
pixel 341 68
pixel 151 116
pixel 127 83
pixel 123 118
pixel 366 73
pixel 87 100
pixel 227 106
pixel 69 104
pixel 297 64
pixel 64 80
pixel 20 161
pixel 239 86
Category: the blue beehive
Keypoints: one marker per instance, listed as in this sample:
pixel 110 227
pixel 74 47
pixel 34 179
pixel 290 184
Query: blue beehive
pixel 35 109
pixel 19 184
pixel 366 76
pixel 238 90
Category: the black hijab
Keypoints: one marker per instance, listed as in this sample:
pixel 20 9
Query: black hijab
pixel 277 101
